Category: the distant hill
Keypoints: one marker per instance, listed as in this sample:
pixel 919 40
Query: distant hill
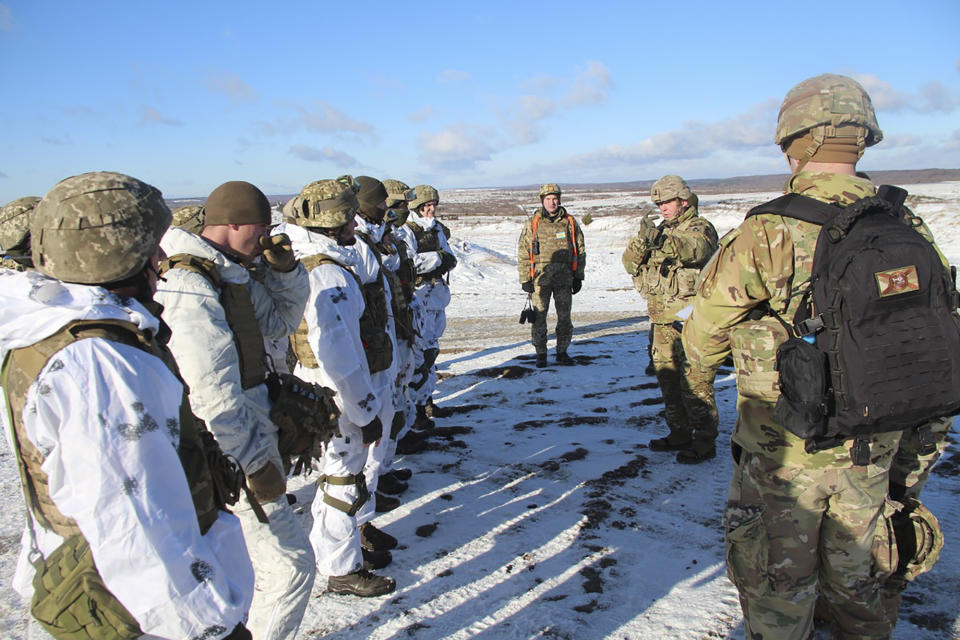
pixel 737 184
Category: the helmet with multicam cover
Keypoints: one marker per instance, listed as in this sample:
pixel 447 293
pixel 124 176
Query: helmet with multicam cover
pixel 98 228
pixel 827 106
pixel 421 195
pixel 325 204
pixel 549 189
pixel 396 192
pixel 15 224
pixel 190 218
pixel 670 187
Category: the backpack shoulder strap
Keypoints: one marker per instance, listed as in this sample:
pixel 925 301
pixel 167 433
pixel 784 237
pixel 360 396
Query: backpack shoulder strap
pixel 206 268
pixel 794 205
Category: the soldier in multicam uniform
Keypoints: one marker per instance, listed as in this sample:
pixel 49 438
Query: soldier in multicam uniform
pixel 15 233
pixel 665 262
pixel 796 523
pixel 551 258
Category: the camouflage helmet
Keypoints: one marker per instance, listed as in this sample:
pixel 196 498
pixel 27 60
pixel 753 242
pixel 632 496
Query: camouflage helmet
pixel 824 104
pixel 326 204
pixel 549 189
pixel 15 223
pixel 421 195
pixel 669 187
pixel 396 192
pixel 189 218
pixel 98 228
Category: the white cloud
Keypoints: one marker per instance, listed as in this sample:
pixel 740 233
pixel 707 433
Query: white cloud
pixel 590 85
pixel 422 115
pixel 529 110
pixel 538 84
pixel 456 147
pixel 7 21
pixel 327 118
pixel 231 85
pixel 452 75
pixel 149 115
pixel 339 159
pixel 953 142
pixel 931 97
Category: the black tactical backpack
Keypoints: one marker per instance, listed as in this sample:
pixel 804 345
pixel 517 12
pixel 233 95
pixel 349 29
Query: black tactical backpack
pixel 875 346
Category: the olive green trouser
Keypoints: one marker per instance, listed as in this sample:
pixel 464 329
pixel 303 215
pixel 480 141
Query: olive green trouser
pixel 562 294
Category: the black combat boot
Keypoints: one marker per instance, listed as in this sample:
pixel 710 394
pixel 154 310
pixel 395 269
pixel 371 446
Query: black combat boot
pixel 390 485
pixel 434 411
pixel 375 539
pixel 423 421
pixel 385 503
pixel 373 560
pixel 564 359
pixel 541 360
pixel 401 474
pixel 361 583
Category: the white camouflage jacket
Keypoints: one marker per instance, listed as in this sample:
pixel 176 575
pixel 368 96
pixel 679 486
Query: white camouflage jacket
pixel 128 494
pixel 203 345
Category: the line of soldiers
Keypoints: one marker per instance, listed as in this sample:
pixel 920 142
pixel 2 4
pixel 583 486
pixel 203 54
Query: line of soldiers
pixel 98 358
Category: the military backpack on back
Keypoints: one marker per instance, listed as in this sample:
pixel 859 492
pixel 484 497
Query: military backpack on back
pixel 878 336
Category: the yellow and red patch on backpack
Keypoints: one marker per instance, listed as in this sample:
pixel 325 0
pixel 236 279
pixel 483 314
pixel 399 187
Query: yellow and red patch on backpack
pixel 896 281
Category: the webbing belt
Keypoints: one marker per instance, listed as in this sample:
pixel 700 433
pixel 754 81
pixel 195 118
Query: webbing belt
pixel 349 508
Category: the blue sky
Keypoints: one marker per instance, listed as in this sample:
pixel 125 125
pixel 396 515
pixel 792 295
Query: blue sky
pixel 457 94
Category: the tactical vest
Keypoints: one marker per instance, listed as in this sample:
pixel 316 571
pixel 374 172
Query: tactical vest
pixel 15 262
pixel 98 614
pixel 427 239
pixel 665 280
pixel 399 300
pixel 558 246
pixel 239 311
pixel 373 322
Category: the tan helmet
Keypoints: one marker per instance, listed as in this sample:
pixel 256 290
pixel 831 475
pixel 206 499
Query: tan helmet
pixel 549 189
pixel 422 194
pixel 15 224
pixel 669 187
pixel 98 228
pixel 828 106
pixel 189 218
pixel 396 192
pixel 325 204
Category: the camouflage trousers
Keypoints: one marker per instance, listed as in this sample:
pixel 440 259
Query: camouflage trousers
pixel 563 297
pixel 688 397
pixel 793 531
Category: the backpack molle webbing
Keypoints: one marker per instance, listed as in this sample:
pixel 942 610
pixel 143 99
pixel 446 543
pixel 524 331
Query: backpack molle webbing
pixel 239 311
pixel 882 307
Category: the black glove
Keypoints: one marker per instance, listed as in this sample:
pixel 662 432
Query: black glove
pixel 577 285
pixel 447 262
pixel 239 632
pixel 372 431
pixel 527 286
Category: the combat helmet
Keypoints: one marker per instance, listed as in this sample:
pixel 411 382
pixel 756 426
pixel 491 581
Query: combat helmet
pixel 190 218
pixel 669 187
pixel 397 208
pixel 421 195
pixel 98 228
pixel 826 106
pixel 325 204
pixel 549 189
pixel 15 224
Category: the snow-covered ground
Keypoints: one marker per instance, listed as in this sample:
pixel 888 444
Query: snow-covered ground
pixel 538 511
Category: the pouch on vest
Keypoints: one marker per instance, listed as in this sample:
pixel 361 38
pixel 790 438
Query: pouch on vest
pixel 306 418
pixel 801 407
pixel 70 600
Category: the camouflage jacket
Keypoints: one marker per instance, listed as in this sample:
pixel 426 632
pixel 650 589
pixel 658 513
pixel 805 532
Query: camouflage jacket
pixel 666 274
pixel 556 256
pixel 768 258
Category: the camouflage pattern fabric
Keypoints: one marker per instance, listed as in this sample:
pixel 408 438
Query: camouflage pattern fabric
pixel 665 270
pixel 549 189
pixel 15 224
pixel 421 195
pixel 827 101
pixel 546 285
pixel 555 257
pixel 10 263
pixel 190 218
pixel 794 529
pixel 97 228
pixel 688 398
pixel 911 465
pixel 795 522
pixel 670 187
pixel 326 204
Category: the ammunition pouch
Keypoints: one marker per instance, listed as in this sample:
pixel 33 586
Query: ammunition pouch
pixel 802 405
pixel 70 600
pixel 349 508
pixel 306 419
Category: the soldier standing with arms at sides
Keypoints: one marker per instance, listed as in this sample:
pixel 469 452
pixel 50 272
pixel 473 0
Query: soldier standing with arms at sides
pixel 15 233
pixel 551 258
pixel 220 308
pixel 798 521
pixel 330 350
pixel 123 487
pixel 665 262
